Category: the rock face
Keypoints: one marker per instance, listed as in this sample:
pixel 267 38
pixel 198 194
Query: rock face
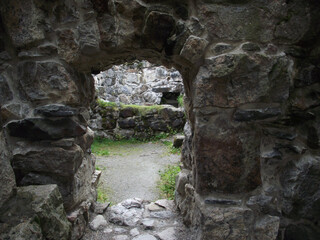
pixel 143 122
pixel 42 211
pixel 138 83
pixel 251 76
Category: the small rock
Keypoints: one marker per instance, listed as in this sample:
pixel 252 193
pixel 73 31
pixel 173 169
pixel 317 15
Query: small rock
pixel 132 203
pixel 98 223
pixel 100 208
pixel 152 207
pixel 134 232
pixel 108 230
pixel 250 47
pixel 120 230
pixel 120 237
pixel 148 224
pixel 144 237
pixel 167 234
pixel 121 215
pixel 165 203
pixel 220 48
pixel 56 110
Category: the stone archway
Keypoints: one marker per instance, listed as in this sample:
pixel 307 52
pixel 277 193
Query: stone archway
pixel 251 73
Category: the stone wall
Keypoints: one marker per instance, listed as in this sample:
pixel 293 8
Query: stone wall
pixel 251 76
pixel 139 122
pixel 139 83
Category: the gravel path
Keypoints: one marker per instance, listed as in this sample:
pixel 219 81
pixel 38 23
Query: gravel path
pixel 132 171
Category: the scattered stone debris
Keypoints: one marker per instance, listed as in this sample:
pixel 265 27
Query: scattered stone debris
pixel 137 219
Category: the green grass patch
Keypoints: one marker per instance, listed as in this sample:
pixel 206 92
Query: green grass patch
pixel 167 182
pixel 107 147
pixel 102 194
pixel 100 147
pixel 180 101
pixel 105 104
pixel 100 168
pixel 171 148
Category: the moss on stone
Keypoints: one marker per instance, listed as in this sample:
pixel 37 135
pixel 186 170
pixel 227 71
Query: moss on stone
pixel 140 110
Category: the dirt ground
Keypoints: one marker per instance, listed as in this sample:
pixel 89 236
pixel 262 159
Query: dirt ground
pixel 131 170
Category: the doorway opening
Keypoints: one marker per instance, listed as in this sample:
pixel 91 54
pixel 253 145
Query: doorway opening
pixel 138 125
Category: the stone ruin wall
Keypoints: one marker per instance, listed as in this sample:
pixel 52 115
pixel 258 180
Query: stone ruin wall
pixel 139 83
pixel 142 123
pixel 251 76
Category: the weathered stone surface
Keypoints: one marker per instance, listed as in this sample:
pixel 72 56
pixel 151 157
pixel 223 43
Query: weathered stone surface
pixel 45 129
pixel 305 98
pixel 68 46
pixel 228 171
pixel 307 75
pixel 225 223
pixel 139 82
pixel 78 220
pixel 89 38
pixel 141 122
pixel 98 222
pixel 264 204
pixel 7 178
pixel 231 22
pixel 67 166
pixel 134 232
pixel 250 47
pixel 154 207
pixel 260 52
pixel 157 37
pixel 300 181
pixel 127 123
pixel 167 234
pixel 41 158
pixel 5 92
pixel 48 82
pixel 148 224
pixel 221 201
pixel 100 208
pixel 186 151
pixel 23 21
pixel 220 48
pixel 232 79
pixel 127 213
pixel 28 229
pixel 144 237
pixel 194 48
pixel 14 111
pixel 127 112
pixel 267 227
pixel 120 237
pixel 41 204
pixel 165 203
pixel 252 112
pixel 56 110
